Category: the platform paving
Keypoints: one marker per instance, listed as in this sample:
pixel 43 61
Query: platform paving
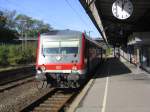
pixel 118 87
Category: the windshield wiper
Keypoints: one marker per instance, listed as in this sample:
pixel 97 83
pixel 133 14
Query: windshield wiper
pixel 43 51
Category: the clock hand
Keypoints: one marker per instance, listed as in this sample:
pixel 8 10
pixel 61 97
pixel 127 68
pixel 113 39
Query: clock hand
pixel 123 2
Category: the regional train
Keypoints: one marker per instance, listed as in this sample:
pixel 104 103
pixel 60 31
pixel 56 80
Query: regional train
pixel 65 58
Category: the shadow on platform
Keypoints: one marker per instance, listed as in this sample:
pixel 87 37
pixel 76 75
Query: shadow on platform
pixel 112 67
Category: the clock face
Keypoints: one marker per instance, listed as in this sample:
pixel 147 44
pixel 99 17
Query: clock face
pixel 122 9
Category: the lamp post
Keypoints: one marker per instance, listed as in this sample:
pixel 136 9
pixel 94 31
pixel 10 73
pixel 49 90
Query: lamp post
pixel 22 22
pixel 89 32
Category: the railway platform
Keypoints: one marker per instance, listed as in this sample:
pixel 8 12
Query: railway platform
pixel 118 87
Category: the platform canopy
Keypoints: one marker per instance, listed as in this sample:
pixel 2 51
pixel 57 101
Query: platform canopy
pixel 113 30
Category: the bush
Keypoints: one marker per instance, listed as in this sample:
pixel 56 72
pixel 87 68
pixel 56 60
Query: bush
pixel 4 56
pixel 13 54
pixel 27 55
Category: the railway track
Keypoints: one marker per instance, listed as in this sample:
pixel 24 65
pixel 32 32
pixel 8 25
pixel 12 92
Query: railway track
pixel 16 74
pixel 12 78
pixel 54 101
pixel 16 83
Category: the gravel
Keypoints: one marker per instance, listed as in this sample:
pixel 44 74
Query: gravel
pixel 15 99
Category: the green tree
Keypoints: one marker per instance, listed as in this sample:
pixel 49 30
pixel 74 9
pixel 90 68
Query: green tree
pixel 30 26
pixel 10 19
pixel 13 26
pixel 2 19
pixel 7 35
pixel 7 32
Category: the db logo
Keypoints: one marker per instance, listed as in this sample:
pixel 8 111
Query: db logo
pixel 58 67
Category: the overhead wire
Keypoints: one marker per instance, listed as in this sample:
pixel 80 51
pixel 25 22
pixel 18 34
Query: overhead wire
pixel 79 16
pixel 52 20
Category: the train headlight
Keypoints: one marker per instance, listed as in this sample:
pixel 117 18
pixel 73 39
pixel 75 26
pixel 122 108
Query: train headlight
pixel 43 68
pixel 39 71
pixel 40 75
pixel 74 70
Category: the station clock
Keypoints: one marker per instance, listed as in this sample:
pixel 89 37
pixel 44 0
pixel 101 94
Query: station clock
pixel 122 9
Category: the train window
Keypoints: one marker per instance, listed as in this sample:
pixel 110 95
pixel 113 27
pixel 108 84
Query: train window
pixel 60 47
pixel 51 50
pixel 69 50
pixel 69 47
pixel 50 47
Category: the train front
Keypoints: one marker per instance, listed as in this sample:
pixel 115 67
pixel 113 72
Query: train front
pixel 59 59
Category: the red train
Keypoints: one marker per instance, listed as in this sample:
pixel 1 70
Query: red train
pixel 65 57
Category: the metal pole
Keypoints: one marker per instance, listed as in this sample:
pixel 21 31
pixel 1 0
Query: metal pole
pixel 89 33
pixel 25 40
pixel 22 33
pixel 22 37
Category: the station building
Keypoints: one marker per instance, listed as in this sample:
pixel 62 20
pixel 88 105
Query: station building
pixel 137 50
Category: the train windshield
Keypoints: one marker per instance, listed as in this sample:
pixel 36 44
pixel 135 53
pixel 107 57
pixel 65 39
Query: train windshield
pixel 61 47
pixel 50 47
pixel 69 47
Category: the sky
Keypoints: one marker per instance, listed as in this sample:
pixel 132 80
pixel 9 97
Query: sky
pixel 60 14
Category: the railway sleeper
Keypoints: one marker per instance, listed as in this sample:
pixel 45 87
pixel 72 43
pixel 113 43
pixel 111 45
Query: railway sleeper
pixel 49 105
pixel 57 99
pixel 39 109
pixel 54 102
pixel 61 96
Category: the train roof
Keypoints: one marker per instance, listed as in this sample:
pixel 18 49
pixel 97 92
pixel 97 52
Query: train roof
pixel 63 32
